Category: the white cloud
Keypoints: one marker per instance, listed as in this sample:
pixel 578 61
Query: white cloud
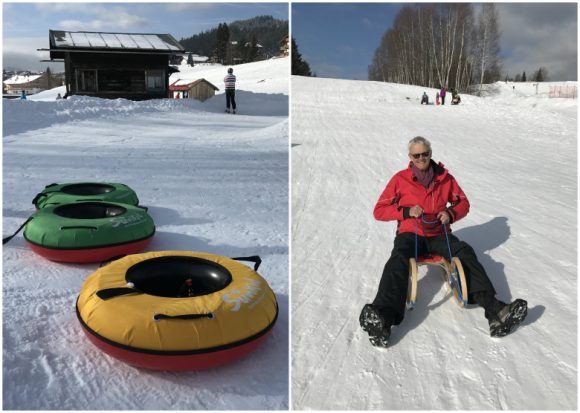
pixel 22 53
pixel 111 21
pixel 539 35
pixel 182 7
pixel 99 17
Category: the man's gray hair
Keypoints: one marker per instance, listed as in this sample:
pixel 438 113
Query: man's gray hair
pixel 419 140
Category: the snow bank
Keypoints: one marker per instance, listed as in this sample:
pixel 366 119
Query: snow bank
pixel 26 115
pixel 348 139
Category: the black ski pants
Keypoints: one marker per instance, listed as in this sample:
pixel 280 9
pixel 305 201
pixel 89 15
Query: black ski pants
pixel 392 295
pixel 230 98
pixel 442 99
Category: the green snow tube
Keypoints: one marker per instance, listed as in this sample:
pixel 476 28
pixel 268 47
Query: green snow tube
pixel 55 194
pixel 88 231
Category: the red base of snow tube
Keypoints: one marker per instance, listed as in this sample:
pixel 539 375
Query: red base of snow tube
pixel 86 255
pixel 189 362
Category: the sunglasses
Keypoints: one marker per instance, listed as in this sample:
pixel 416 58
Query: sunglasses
pixel 418 155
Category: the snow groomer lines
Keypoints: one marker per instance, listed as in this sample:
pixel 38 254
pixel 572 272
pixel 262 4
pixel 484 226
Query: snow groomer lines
pixel 177 310
pixel 80 223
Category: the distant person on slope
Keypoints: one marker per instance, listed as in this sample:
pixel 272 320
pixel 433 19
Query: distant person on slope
pixel 23 95
pixel 437 99
pixel 455 98
pixel 442 93
pixel 425 98
pixel 417 198
pixel 230 81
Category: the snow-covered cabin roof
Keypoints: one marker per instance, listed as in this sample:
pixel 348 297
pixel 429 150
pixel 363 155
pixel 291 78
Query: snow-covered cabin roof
pixel 20 79
pixel 186 84
pixel 129 42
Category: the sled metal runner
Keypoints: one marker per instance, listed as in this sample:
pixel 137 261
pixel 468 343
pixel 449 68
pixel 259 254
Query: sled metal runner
pixel 452 273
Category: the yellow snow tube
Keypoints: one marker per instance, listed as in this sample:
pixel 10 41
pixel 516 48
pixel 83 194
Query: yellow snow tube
pixel 138 304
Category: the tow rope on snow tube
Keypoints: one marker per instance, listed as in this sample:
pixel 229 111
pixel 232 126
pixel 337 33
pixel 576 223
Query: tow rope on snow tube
pixel 88 231
pixel 177 310
pixel 55 194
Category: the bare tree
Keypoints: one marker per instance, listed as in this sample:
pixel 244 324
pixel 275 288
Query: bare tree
pixel 487 44
pixel 430 45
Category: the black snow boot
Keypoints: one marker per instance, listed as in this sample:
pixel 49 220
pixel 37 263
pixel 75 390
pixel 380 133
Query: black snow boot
pixel 375 325
pixel 508 318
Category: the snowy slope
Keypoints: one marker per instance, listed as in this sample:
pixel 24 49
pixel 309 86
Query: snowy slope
pixel 516 162
pixel 213 182
pixel 268 76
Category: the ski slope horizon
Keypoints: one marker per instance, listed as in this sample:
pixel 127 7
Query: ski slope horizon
pixel 509 152
pixel 212 181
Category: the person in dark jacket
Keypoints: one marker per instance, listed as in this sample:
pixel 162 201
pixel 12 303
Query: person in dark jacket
pixel 425 98
pixel 230 83
pixel 424 199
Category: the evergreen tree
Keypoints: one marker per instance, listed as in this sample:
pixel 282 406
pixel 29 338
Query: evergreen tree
pixel 48 78
pixel 252 50
pixel 299 66
pixel 540 75
pixel 222 41
pixel 524 76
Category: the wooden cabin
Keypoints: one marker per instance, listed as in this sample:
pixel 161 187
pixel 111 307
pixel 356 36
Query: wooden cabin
pixel 200 89
pixel 115 65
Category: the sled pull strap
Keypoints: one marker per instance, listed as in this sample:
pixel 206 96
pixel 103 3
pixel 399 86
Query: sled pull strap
pixel 254 258
pixel 109 293
pixel 5 240
pixel 158 317
pixel 37 198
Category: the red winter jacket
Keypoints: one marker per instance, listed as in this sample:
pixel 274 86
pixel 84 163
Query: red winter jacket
pixel 404 192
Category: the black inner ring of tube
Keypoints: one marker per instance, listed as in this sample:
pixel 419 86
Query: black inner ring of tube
pixel 87 189
pixel 167 276
pixel 89 210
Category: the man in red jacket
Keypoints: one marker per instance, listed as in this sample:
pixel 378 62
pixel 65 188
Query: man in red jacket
pixel 424 199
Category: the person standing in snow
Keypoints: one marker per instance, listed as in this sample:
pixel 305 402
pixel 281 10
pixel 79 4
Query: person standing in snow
pixel 424 199
pixel 230 82
pixel 23 95
pixel 425 98
pixel 442 93
pixel 437 99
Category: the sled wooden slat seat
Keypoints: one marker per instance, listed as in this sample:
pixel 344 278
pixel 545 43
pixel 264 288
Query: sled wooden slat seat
pixel 448 269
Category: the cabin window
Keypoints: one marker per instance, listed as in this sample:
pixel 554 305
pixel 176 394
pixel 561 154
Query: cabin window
pixel 87 80
pixel 155 79
pixel 114 80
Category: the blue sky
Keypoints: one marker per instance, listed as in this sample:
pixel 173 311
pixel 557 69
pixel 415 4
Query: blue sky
pixel 26 25
pixel 338 40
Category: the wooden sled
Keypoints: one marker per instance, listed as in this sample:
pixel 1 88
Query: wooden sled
pixel 452 273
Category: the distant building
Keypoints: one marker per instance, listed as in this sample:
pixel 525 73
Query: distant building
pixel 181 58
pixel 32 83
pixel 199 89
pixel 115 65
pixel 284 47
